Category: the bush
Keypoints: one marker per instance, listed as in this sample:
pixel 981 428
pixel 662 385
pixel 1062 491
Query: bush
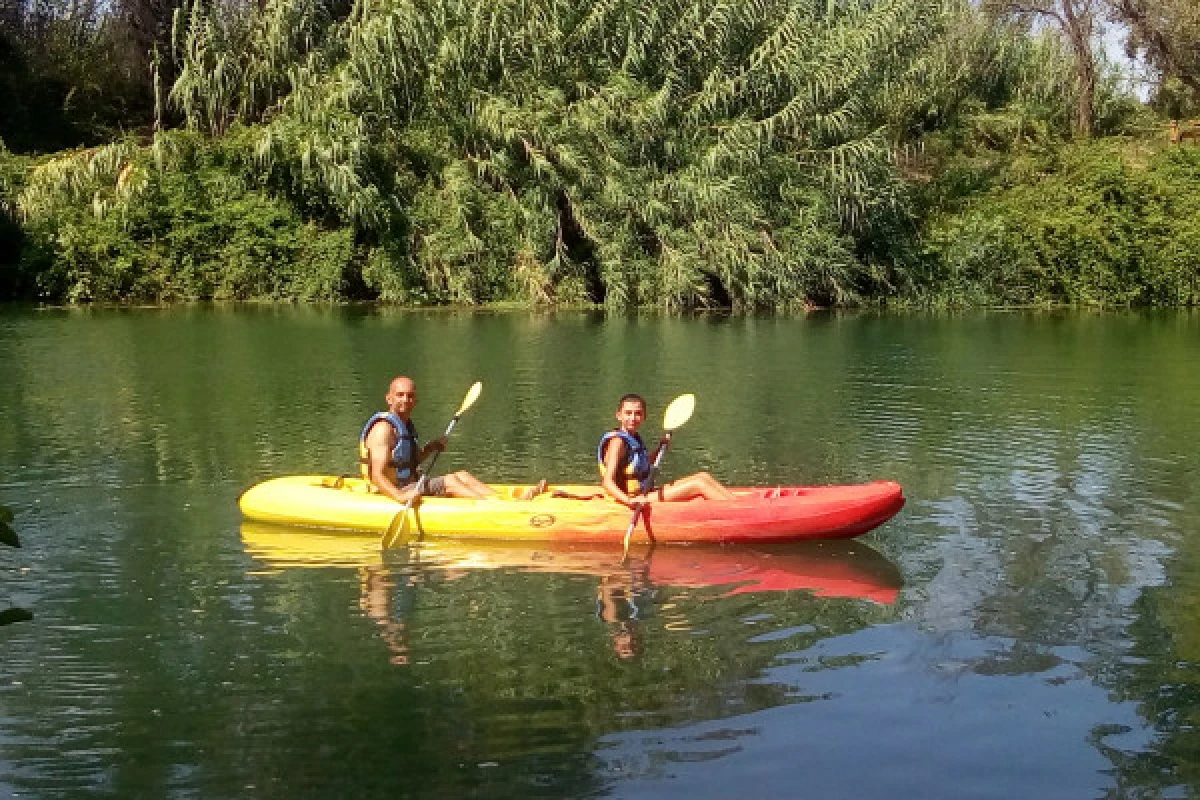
pixel 198 234
pixel 1103 223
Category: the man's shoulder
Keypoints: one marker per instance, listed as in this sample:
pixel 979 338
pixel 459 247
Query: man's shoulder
pixel 381 425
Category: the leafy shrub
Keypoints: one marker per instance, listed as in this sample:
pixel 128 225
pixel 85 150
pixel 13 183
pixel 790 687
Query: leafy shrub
pixel 195 234
pixel 1095 227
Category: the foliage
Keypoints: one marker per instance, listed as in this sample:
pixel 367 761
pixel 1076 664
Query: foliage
pixel 759 154
pixel 677 151
pixel 7 535
pixel 71 74
pixel 12 174
pixel 1164 34
pixel 1076 22
pixel 1094 225
pixel 193 229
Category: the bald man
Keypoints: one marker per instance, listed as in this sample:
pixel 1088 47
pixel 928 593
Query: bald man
pixel 390 452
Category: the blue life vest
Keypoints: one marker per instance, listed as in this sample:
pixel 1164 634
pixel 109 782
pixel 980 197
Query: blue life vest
pixel 636 469
pixel 404 454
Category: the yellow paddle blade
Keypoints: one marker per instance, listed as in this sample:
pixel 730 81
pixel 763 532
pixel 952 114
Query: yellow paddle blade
pixel 395 529
pixel 679 411
pixel 472 396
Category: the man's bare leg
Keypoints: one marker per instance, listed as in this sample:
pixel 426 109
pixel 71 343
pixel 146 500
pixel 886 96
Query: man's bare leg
pixel 464 484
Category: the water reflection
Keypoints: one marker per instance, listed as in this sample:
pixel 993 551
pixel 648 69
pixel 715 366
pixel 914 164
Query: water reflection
pixel 9 537
pixel 626 593
pixel 10 615
pixel 828 569
pixel 540 651
pixel 1045 643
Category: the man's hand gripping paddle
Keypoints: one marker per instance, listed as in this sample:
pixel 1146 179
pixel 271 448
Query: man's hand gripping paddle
pixel 399 524
pixel 678 412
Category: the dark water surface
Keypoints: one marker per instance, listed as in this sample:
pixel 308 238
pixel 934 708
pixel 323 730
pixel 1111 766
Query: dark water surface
pixel 1029 626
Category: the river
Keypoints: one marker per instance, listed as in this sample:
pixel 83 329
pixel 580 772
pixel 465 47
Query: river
pixel 1025 627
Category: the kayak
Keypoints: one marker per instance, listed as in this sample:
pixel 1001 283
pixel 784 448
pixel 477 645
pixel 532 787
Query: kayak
pixel 826 568
pixel 580 513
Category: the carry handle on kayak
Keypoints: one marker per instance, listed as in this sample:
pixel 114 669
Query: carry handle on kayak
pixel 678 412
pixel 396 531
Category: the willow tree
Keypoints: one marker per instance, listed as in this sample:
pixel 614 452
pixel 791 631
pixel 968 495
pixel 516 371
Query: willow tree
pixel 686 152
pixel 680 152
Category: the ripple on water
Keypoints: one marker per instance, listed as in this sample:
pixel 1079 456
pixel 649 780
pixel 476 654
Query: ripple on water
pixel 1039 615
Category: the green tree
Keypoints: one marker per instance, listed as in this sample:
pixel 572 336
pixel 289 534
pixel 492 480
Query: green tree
pixel 1076 20
pixel 1166 34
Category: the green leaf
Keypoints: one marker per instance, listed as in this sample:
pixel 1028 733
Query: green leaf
pixel 8 535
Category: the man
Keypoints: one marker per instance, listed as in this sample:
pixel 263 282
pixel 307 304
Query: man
pixel 390 452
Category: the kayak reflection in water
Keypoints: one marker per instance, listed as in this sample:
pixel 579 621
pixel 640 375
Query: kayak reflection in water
pixel 626 465
pixel 390 453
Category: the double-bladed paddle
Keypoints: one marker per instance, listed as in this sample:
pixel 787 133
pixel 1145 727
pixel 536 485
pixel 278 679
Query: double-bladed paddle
pixel 396 531
pixel 678 412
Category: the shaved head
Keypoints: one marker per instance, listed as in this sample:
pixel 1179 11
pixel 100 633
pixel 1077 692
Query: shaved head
pixel 401 396
pixel 402 383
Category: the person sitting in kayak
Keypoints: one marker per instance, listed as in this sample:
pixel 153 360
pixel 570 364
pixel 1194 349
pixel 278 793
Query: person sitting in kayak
pixel 625 464
pixel 389 452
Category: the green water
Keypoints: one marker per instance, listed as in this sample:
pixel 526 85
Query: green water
pixel 1043 641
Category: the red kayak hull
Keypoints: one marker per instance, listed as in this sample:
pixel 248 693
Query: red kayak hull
pixel 784 514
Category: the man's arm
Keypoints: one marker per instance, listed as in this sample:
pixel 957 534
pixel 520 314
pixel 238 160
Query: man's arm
pixel 435 446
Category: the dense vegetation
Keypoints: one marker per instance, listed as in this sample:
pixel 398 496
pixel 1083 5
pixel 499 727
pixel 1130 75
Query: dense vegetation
pixel 683 153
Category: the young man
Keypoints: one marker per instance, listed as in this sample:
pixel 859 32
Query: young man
pixel 625 464
pixel 390 452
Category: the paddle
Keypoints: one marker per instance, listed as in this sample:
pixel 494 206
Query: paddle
pixel 395 531
pixel 678 412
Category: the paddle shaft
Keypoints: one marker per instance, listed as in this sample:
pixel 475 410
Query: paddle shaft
pixel 432 461
pixel 637 510
pixel 389 536
pixel 425 475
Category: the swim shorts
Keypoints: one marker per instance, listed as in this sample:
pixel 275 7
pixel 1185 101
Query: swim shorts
pixel 435 486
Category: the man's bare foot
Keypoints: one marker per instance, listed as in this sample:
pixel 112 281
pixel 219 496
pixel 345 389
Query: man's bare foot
pixel 534 491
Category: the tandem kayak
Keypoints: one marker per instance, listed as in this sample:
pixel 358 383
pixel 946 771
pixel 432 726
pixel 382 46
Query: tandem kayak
pixel 755 515
pixel 839 568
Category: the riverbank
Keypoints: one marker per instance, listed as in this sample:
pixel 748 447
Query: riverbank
pixel 751 156
pixel 1108 223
